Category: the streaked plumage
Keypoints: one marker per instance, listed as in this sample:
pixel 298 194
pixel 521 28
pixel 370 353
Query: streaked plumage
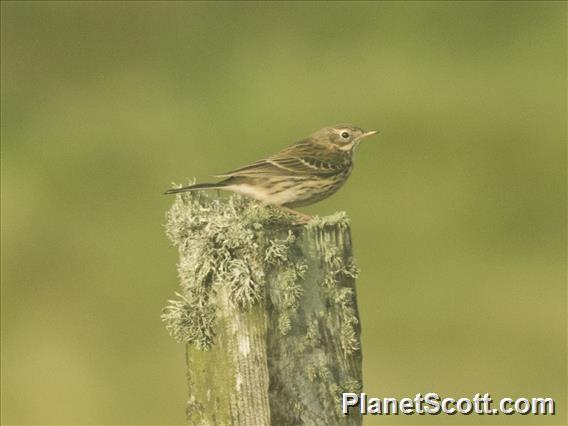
pixel 299 175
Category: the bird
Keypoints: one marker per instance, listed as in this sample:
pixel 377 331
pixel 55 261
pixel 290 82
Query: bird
pixel 299 175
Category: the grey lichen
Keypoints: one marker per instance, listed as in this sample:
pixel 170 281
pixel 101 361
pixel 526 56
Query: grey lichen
pixel 342 297
pixel 220 244
pixel 277 249
pixel 287 278
pixel 215 249
pixel 190 320
pixel 337 219
pixel 290 291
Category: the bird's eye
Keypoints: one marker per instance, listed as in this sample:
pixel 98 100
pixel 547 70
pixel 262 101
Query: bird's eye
pixel 345 135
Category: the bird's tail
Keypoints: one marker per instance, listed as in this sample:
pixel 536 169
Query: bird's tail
pixel 195 187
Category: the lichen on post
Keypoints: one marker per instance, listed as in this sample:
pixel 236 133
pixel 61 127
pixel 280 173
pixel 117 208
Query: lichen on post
pixel 267 311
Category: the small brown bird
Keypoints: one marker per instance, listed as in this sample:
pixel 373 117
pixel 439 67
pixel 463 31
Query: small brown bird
pixel 299 175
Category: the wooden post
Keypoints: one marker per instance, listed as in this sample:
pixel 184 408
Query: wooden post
pixel 267 311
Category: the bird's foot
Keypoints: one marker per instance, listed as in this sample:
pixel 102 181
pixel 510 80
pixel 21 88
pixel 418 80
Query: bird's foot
pixel 301 218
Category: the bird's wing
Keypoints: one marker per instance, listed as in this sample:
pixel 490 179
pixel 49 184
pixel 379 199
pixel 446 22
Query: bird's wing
pixel 302 158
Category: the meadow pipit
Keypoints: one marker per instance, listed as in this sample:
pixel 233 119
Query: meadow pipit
pixel 299 175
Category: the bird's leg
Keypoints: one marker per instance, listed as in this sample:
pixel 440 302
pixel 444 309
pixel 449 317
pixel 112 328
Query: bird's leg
pixel 304 217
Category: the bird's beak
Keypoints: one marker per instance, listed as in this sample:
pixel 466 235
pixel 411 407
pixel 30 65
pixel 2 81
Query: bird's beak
pixel 367 134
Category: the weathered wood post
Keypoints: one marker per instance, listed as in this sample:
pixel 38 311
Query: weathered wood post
pixel 267 311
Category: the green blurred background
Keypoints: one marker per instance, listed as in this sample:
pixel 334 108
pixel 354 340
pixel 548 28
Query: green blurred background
pixel 458 208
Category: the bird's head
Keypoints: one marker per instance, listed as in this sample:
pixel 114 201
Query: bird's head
pixel 345 137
